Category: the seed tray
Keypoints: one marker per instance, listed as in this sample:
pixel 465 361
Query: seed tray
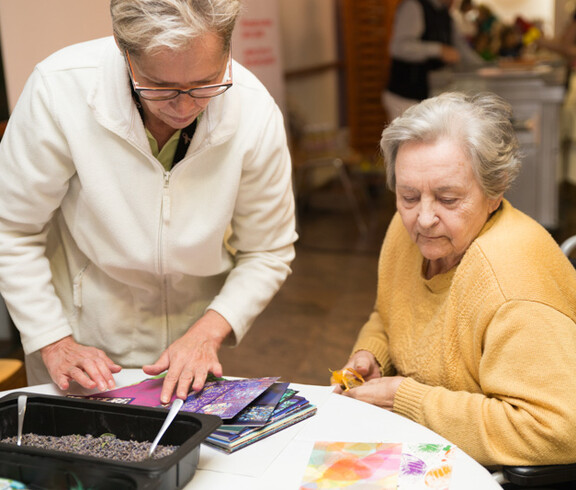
pixel 58 416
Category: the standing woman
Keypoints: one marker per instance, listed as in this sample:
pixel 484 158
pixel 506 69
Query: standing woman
pixel 425 38
pixel 146 213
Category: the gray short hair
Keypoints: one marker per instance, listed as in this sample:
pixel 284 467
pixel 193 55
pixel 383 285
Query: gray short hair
pixel 145 25
pixel 481 123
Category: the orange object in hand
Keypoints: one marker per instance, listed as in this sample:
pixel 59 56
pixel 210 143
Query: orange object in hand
pixel 347 378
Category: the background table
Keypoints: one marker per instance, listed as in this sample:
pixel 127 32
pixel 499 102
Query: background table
pixel 279 461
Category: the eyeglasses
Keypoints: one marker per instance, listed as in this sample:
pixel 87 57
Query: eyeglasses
pixel 167 93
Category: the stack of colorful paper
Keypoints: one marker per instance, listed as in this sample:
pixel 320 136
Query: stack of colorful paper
pixel 250 409
pixel 277 408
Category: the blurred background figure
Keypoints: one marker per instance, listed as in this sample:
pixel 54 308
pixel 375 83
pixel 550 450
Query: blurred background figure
pixel 425 38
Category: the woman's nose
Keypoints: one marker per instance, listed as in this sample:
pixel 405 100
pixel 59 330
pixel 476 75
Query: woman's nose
pixel 427 215
pixel 184 103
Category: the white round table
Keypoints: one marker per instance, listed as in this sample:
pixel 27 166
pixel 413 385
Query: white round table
pixel 278 462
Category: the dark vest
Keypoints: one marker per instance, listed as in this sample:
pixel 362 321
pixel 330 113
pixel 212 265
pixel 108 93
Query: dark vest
pixel 409 79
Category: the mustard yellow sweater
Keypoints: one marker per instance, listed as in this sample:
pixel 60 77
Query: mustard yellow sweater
pixel 488 348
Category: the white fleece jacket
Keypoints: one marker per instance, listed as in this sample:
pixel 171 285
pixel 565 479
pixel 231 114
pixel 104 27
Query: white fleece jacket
pixel 99 241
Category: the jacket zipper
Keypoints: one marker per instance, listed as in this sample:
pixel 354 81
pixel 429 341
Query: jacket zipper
pixel 166 198
pixel 165 212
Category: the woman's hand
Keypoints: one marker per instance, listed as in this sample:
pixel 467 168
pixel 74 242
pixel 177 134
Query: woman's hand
pixel 379 392
pixel 67 360
pixel 190 358
pixel 365 364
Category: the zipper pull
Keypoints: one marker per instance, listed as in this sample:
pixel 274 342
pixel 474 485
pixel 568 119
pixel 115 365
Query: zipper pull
pixel 77 287
pixel 166 198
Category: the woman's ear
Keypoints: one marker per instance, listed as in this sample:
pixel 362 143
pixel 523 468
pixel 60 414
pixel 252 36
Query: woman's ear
pixel 495 203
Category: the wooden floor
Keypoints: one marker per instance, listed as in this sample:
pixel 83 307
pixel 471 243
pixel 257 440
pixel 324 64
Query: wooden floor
pixel 311 324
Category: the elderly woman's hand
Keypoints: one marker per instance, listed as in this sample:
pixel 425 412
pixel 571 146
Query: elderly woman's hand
pixel 365 364
pixel 379 392
pixel 67 360
pixel 190 358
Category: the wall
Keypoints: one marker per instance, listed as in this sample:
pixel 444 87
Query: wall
pixel 306 28
pixel 33 29
pixel 563 14
pixel 256 44
pixel 507 10
pixel 309 40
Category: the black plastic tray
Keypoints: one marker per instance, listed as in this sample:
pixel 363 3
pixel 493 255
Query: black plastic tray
pixel 58 416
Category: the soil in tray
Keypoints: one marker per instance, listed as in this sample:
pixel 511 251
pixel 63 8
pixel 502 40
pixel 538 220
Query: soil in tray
pixel 105 446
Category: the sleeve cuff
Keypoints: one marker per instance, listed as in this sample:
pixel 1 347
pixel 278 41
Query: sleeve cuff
pixel 409 399
pixel 33 343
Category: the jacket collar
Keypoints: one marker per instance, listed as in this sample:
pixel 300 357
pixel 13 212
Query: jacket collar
pixel 113 106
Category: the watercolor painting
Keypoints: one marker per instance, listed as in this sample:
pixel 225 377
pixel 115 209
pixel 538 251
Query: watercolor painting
pixel 426 466
pixel 379 466
pixel 353 465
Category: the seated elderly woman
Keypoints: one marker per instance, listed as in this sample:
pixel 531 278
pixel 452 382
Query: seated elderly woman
pixel 473 333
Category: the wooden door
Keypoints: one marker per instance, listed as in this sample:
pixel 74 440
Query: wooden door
pixel 366 26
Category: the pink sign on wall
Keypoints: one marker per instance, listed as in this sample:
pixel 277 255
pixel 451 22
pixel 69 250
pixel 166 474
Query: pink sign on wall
pixel 256 45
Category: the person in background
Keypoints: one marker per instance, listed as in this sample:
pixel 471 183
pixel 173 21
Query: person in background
pixel 424 39
pixel 146 213
pixel 476 303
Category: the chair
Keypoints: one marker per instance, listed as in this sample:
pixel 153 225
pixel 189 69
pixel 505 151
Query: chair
pixel 546 477
pixel 12 374
pixel 3 125
pixel 568 246
pixel 550 477
pixel 320 146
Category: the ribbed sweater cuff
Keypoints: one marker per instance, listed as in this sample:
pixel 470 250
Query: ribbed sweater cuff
pixel 409 398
